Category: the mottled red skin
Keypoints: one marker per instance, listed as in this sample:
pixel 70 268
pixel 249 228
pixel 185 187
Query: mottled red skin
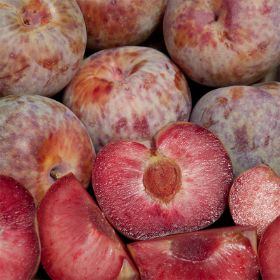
pixel 20 247
pixel 246 120
pixel 128 93
pixel 269 251
pixel 224 253
pixel 206 176
pixel 118 23
pixel 254 198
pixel 41 139
pixel 77 241
pixel 42 45
pixel 223 42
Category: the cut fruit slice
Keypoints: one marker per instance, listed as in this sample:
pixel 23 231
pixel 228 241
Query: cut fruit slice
pixel 180 185
pixel 77 241
pixel 254 198
pixel 224 253
pixel 269 251
pixel 19 242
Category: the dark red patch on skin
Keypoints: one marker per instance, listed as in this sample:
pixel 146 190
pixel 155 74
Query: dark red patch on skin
pixel 222 100
pixel 259 51
pixel 191 29
pixel 207 40
pixel 121 124
pixel 179 81
pixel 267 139
pixel 236 93
pixel 20 65
pixel 50 63
pixel 266 9
pixel 149 81
pixel 101 91
pixel 241 139
pixel 141 126
pixel 138 66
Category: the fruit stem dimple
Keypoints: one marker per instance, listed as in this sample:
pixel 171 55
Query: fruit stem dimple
pixel 55 174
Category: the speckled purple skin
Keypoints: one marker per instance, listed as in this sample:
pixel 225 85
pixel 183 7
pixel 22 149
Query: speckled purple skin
pixel 223 42
pixel 128 93
pixel 246 120
pixel 40 141
pixel 42 43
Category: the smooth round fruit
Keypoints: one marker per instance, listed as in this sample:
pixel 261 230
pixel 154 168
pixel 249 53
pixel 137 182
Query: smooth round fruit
pixel 247 121
pixel 128 93
pixel 40 141
pixel 222 43
pixel 42 43
pixel 119 23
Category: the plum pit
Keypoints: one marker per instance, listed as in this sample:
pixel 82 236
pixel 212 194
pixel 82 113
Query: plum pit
pixel 162 178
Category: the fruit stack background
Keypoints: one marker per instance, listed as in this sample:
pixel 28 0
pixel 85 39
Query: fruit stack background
pixel 165 114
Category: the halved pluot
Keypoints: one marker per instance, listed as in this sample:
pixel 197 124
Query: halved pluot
pixel 19 242
pixel 254 198
pixel 179 185
pixel 77 241
pixel 269 251
pixel 224 253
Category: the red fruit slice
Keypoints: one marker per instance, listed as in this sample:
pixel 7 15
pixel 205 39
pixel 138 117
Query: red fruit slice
pixel 224 253
pixel 77 241
pixel 269 251
pixel 180 185
pixel 19 243
pixel 254 198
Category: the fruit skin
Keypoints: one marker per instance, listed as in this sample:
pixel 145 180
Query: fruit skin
pixel 40 141
pixel 254 198
pixel 222 43
pixel 20 246
pixel 42 45
pixel 223 253
pixel 269 248
pixel 77 241
pixel 246 120
pixel 186 154
pixel 119 23
pixel 128 93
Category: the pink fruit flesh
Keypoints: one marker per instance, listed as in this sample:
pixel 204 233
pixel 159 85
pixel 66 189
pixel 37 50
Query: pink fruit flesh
pixel 153 90
pixel 224 253
pixel 180 185
pixel 254 198
pixel 269 251
pixel 77 241
pixel 20 249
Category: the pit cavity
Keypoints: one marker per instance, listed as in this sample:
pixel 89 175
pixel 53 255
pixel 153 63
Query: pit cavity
pixel 35 14
pixel 194 248
pixel 162 178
